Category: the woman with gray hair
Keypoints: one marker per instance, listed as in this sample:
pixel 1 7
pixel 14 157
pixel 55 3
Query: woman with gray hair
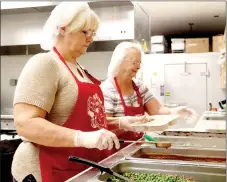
pixel 58 106
pixel 125 96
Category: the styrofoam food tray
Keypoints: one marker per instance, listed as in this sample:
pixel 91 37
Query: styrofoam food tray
pixel 158 123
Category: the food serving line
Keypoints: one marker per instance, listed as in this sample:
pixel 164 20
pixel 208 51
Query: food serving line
pixel 195 155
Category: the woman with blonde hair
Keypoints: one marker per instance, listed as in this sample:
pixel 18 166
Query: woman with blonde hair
pixel 58 106
pixel 126 96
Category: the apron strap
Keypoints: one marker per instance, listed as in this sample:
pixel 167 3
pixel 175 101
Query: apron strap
pixel 119 91
pixel 63 60
pixel 93 79
pixel 135 87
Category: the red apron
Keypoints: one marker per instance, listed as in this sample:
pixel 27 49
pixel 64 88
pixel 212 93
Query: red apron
pixel 87 115
pixel 129 111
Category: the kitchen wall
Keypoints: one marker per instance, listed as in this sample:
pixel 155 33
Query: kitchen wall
pixel 191 86
pixel 11 66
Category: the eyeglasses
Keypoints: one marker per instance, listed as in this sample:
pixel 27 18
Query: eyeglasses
pixel 138 63
pixel 89 33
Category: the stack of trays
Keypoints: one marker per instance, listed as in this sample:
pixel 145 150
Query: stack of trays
pixel 178 45
pixel 159 44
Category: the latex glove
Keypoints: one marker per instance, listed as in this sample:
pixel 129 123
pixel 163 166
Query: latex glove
pixel 100 139
pixel 186 114
pixel 126 122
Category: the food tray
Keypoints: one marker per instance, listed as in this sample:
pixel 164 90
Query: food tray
pixel 196 142
pixel 192 156
pixel 198 173
pixel 195 134
pixel 157 123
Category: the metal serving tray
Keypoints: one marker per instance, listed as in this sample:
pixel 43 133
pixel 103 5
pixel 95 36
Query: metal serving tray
pixel 198 173
pixel 187 156
pixel 197 142
pixel 195 134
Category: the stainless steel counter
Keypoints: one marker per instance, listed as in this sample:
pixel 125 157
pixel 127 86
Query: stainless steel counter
pixel 123 156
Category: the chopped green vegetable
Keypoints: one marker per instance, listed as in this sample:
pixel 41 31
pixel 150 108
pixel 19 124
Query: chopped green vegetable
pixel 151 177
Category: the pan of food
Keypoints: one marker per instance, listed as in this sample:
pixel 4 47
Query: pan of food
pixel 203 134
pixel 189 155
pixel 163 172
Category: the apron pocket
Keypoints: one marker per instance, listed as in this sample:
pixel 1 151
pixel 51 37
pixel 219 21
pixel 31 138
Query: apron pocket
pixel 59 175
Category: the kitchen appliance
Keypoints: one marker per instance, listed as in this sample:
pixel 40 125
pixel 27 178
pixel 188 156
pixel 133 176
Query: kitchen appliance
pixel 8 130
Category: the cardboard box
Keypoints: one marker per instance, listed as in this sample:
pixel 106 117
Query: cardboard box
pixel 218 43
pixel 197 45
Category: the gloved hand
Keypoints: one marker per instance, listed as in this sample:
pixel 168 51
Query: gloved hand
pixel 187 114
pixel 100 139
pixel 126 122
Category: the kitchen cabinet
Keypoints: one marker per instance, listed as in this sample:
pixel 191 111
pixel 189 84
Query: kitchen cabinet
pixel 105 28
pixel 116 23
pixel 123 20
pixel 21 28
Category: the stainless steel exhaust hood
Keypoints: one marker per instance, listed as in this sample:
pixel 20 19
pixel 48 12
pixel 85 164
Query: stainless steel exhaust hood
pixel 141 28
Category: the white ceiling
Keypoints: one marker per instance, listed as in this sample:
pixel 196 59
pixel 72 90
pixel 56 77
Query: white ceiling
pixel 170 18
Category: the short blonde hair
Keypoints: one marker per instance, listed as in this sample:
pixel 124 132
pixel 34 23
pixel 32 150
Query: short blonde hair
pixel 84 20
pixel 74 16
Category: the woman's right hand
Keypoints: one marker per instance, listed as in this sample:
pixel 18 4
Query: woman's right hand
pixel 100 139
